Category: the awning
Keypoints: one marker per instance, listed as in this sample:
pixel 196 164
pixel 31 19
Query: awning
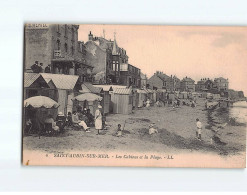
pixel 87 96
pixel 40 102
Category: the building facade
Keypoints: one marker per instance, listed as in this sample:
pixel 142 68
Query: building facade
pixel 205 84
pixel 130 75
pixel 144 80
pixel 221 84
pixel 106 57
pixel 162 81
pixel 57 46
pixel 187 84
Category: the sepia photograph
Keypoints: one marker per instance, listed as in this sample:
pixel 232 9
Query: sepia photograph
pixel 134 95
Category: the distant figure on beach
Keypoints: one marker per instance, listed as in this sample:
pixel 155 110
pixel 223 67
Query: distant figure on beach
pixel 193 104
pixel 119 131
pixel 199 129
pixel 206 104
pixel 148 103
pixel 98 119
pixel 152 130
pixel 158 103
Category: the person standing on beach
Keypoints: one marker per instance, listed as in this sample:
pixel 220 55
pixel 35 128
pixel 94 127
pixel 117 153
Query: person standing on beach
pixel 199 129
pixel 98 119
pixel 148 103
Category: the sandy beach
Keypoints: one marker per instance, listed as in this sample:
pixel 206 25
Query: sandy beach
pixel 176 133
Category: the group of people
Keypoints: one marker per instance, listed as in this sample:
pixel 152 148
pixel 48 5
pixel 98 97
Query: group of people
pixel 40 124
pixel 38 68
pixel 84 118
pixel 80 118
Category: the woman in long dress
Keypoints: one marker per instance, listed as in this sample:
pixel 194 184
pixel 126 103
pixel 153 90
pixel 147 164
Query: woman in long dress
pixel 98 119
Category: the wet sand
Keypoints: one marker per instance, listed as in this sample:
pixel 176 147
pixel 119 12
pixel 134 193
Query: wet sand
pixel 176 133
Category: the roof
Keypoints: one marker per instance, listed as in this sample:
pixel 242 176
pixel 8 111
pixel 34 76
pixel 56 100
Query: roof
pixel 148 90
pixel 62 81
pixel 163 76
pixel 161 90
pixel 48 80
pixel 141 91
pixel 105 87
pixel 220 78
pixel 143 76
pixel 123 91
pixel 29 78
pixel 114 87
pixel 115 48
pixel 188 79
pixel 88 87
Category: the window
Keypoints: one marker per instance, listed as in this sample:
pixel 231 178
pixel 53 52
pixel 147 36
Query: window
pixel 72 50
pixel 73 34
pixel 115 65
pixel 58 44
pixel 66 47
pixel 65 30
pixel 58 28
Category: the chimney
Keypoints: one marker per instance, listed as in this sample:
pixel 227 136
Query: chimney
pixel 90 36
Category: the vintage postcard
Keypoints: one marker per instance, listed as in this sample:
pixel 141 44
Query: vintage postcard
pixel 134 95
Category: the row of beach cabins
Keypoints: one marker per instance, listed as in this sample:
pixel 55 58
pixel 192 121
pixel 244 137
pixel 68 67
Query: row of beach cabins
pixel 69 93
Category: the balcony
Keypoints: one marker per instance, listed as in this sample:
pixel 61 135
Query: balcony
pixel 57 54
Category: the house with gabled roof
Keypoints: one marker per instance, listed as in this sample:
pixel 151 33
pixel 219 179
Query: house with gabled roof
pixel 162 81
pixel 187 84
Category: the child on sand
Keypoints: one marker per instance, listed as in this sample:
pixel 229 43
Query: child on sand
pixel 152 130
pixel 199 129
pixel 119 131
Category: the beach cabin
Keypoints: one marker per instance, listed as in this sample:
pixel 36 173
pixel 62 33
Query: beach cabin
pixel 171 96
pixel 122 100
pixel 204 94
pixel 150 94
pixel 142 97
pixel 107 89
pixel 34 85
pixel 184 95
pixel 216 96
pixel 67 86
pixel 161 94
pixel 209 96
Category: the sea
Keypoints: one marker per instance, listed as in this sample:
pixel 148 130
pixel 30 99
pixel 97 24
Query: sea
pixel 239 111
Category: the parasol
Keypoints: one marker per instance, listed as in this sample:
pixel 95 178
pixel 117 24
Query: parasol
pixel 87 96
pixel 40 101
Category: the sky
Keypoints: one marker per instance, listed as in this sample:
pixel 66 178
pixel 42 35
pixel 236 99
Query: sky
pixel 193 51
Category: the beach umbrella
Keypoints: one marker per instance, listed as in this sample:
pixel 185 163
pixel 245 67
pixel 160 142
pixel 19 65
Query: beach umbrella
pixel 40 102
pixel 88 97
